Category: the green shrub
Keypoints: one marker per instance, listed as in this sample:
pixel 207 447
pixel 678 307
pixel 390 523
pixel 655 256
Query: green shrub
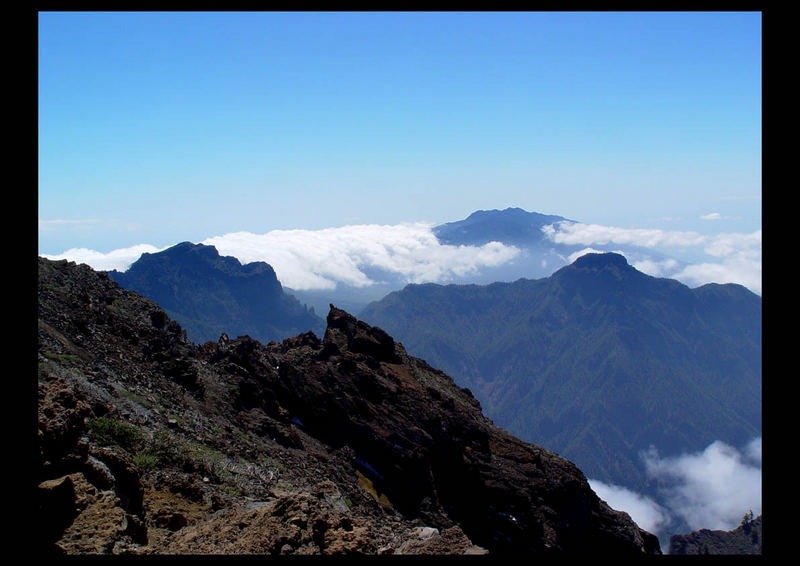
pixel 145 460
pixel 110 432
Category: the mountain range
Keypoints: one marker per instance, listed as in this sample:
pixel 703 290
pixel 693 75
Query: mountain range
pixel 598 362
pixel 539 256
pixel 595 361
pixel 150 444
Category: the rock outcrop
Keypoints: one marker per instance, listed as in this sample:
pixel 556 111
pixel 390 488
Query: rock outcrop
pixel 149 443
pixel 744 539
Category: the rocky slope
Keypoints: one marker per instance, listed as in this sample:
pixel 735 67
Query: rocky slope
pixel 597 362
pixel 744 539
pixel 151 444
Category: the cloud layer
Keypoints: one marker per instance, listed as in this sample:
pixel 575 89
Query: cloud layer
pixel 711 489
pixel 119 259
pixel 731 258
pixel 361 255
pixel 319 259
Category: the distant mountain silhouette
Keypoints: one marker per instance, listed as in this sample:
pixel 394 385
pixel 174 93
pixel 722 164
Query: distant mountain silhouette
pixel 596 362
pixel 539 256
pixel 513 226
pixel 209 294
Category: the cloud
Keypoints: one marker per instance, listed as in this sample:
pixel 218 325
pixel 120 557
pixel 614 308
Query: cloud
pixel 645 512
pixel 576 233
pixel 320 259
pixel 656 268
pixel 711 489
pixel 119 259
pixel 711 216
pixel 738 260
pixel 361 255
pixel 732 257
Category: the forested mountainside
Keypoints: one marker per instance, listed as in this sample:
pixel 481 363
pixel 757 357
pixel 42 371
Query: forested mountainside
pixel 151 444
pixel 596 362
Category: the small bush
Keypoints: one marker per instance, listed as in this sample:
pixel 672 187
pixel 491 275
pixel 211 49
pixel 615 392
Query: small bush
pixel 109 432
pixel 145 460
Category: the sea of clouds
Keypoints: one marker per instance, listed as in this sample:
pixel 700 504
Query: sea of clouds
pixel 323 259
pixel 711 489
pixel 319 259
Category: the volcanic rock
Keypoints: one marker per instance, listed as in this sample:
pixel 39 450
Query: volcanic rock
pixel 149 443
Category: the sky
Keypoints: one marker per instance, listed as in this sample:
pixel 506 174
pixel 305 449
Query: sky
pixel 161 127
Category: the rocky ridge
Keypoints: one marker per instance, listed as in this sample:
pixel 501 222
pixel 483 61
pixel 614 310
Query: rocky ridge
pixel 744 539
pixel 208 293
pixel 150 444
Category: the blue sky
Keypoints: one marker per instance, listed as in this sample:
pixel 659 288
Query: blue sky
pixel 161 127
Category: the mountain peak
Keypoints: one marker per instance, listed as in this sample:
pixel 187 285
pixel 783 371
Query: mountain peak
pixel 353 335
pixel 601 260
pixel 209 293
pixel 511 226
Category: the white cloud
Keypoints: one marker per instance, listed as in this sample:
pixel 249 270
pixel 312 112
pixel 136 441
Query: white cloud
pixel 711 216
pixel 746 273
pixel 645 512
pixel 732 258
pixel 711 489
pixel 119 259
pixel 321 259
pixel 314 259
pixel 662 268
pixel 753 450
pixel 410 253
pixel 587 234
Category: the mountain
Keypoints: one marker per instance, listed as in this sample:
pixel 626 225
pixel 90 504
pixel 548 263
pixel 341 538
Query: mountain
pixel 744 539
pixel 150 444
pixel 538 256
pixel 209 294
pixel 596 362
pixel 512 226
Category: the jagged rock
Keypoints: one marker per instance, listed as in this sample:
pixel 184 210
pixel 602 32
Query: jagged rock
pixel 334 446
pixel 744 539
pixel 428 540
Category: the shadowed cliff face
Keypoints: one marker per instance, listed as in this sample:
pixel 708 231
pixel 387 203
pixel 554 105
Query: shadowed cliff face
pixel 209 293
pixel 363 440
pixel 744 539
